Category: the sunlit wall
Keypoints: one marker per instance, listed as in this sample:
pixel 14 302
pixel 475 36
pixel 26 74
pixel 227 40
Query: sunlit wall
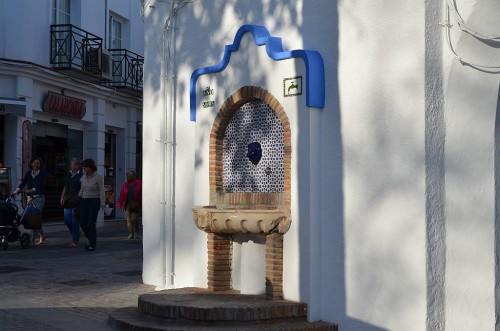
pixel 393 198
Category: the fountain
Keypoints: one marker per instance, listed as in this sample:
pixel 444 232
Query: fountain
pixel 250 153
pixel 249 196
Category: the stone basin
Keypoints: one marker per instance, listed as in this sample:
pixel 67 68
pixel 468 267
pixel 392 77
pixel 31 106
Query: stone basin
pixel 266 220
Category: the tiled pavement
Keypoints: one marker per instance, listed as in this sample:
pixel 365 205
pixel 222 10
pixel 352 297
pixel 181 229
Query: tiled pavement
pixel 53 287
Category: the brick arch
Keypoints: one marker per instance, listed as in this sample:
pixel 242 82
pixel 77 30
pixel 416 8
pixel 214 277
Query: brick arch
pixel 229 107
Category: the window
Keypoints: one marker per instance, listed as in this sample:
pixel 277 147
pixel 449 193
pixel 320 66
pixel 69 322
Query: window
pixel 61 11
pixel 115 32
pixel 61 15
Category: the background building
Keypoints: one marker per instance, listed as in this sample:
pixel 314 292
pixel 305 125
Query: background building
pixel 394 181
pixel 71 86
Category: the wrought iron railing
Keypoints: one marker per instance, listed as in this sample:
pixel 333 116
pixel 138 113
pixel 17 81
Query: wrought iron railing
pixel 74 48
pixel 126 69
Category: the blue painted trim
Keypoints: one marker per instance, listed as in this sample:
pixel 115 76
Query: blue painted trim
pixel 315 71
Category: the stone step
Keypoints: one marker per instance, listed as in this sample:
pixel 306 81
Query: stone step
pixel 200 309
pixel 202 305
pixel 131 319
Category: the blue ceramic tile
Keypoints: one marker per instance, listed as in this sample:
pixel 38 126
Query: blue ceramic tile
pixel 254 122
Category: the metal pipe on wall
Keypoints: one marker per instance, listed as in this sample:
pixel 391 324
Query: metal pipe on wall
pixel 169 140
pixel 173 145
pixel 162 140
pixel 167 236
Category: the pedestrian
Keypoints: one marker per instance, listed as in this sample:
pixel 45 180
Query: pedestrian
pixel 71 202
pixel 92 200
pixel 33 184
pixel 131 200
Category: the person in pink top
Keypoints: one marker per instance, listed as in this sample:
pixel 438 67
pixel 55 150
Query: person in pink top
pixel 131 200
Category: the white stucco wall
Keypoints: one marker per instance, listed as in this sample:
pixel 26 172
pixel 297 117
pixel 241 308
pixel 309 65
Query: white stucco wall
pixel 381 100
pixel 471 110
pixel 393 194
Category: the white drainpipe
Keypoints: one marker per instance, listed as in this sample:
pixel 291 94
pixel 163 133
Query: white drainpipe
pixel 170 165
pixel 173 145
pixel 162 140
pixel 315 255
pixel 167 236
pixel 169 139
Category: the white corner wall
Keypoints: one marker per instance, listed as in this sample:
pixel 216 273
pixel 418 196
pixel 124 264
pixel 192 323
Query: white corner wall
pixel 471 111
pixel 393 178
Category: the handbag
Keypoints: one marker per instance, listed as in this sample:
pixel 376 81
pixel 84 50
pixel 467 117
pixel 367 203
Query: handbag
pixel 32 218
pixel 135 205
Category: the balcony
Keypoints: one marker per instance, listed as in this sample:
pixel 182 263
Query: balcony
pixel 80 54
pixel 126 69
pixel 78 51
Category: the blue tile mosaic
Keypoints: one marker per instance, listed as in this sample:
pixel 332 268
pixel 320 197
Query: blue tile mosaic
pixel 254 122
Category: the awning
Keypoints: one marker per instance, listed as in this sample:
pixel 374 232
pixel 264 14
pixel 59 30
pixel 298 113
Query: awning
pixel 12 106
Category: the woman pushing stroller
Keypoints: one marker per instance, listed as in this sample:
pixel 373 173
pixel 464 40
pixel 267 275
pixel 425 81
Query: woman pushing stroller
pixel 33 183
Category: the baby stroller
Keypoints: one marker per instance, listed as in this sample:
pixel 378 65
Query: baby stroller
pixel 10 220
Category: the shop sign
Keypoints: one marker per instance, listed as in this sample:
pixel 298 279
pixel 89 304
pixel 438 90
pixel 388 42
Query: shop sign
pixel 63 105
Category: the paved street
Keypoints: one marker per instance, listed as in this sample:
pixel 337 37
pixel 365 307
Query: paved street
pixel 53 287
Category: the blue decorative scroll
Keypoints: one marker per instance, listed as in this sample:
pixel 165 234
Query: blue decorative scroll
pixel 315 72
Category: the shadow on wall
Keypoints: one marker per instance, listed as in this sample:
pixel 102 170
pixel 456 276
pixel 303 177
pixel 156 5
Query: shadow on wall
pixel 369 270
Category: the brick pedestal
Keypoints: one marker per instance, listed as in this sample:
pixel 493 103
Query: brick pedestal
pixel 220 259
pixel 274 266
pixel 219 262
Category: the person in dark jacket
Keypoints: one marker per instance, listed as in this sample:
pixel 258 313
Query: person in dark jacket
pixel 71 202
pixel 33 184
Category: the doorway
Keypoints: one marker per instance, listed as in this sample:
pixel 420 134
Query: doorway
pixel 110 167
pixel 55 144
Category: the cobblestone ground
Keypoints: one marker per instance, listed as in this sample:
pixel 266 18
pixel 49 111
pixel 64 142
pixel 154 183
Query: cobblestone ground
pixel 53 287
